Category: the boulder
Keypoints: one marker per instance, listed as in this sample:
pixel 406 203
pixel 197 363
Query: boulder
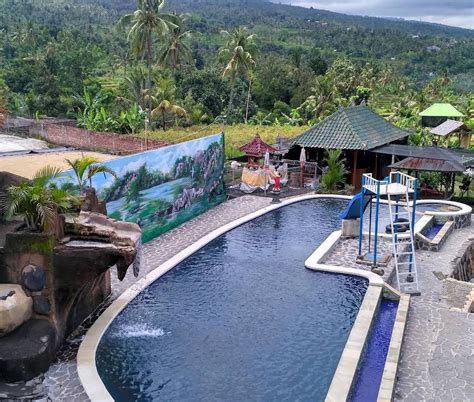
pixel 33 278
pixel 41 305
pixel 15 307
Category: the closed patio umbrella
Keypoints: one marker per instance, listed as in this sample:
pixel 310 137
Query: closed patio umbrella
pixel 302 164
pixel 266 167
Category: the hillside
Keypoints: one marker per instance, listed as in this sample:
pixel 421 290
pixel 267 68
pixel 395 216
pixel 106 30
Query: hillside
pixel 51 50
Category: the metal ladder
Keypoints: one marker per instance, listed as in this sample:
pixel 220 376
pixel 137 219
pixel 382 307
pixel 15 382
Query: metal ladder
pixel 403 242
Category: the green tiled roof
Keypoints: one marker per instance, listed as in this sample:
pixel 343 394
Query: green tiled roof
pixel 441 110
pixel 355 127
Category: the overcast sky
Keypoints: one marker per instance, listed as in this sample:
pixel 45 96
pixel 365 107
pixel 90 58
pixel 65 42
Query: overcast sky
pixel 449 12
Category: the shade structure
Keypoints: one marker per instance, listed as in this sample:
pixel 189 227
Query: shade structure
pixel 432 165
pixel 441 110
pixel 257 147
pixel 448 127
pixel 351 128
pixel 461 156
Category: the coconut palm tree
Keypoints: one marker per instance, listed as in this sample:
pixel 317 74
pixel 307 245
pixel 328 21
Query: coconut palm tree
pixel 37 200
pixel 174 51
pixel 147 21
pixel 239 55
pixel 165 100
pixel 166 108
pixel 87 167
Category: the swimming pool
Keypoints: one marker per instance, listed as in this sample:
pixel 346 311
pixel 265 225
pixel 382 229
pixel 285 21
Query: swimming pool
pixel 239 319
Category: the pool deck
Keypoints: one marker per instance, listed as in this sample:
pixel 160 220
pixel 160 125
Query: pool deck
pixel 437 353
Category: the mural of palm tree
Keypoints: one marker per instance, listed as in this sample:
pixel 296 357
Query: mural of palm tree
pixel 147 21
pixel 87 167
pixel 175 52
pixel 239 55
pixel 36 200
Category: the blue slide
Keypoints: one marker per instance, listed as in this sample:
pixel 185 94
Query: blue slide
pixel 352 211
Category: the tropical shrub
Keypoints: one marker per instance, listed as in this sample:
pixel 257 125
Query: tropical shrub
pixel 86 168
pixel 38 201
pixel 336 171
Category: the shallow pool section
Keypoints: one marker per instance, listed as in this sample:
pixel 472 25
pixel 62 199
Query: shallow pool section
pixel 369 376
pixel 434 230
pixel 241 319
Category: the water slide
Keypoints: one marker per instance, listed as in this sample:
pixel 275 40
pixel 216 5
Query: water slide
pixel 352 210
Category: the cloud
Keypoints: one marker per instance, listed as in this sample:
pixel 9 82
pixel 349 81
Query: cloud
pixel 457 13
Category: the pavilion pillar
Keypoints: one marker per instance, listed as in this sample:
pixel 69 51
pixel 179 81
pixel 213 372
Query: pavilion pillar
pixel 354 169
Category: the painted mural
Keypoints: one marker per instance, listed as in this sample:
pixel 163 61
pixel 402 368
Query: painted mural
pixel 163 188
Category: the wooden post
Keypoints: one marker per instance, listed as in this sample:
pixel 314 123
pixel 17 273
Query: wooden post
pixel 354 169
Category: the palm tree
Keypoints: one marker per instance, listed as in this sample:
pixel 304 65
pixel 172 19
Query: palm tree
pixel 147 20
pixel 175 52
pixel 238 53
pixel 87 167
pixel 37 200
pixel 167 108
pixel 165 101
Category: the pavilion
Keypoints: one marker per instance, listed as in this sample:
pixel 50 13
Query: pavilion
pixel 356 130
pixel 256 149
pixel 438 113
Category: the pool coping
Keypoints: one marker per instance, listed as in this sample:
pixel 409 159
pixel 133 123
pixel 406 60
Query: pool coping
pixel 86 356
pixel 346 370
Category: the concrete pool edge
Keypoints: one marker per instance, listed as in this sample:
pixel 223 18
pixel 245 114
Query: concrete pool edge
pixel 389 376
pixel 346 370
pixel 86 364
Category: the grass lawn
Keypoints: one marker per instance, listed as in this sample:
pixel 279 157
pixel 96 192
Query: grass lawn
pixel 235 135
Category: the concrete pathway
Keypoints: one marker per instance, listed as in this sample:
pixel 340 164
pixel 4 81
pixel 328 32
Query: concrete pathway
pixel 437 362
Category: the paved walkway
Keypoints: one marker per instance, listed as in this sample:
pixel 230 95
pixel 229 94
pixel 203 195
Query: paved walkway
pixel 437 362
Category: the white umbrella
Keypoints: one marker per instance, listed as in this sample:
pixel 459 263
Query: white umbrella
pixel 266 161
pixel 302 163
pixel 266 167
pixel 303 156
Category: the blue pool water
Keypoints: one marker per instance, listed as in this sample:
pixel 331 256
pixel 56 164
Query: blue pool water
pixel 369 376
pixel 433 230
pixel 241 319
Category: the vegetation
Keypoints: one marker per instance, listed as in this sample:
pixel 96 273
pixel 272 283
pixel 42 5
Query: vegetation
pixel 115 65
pixel 85 169
pixel 38 201
pixel 335 173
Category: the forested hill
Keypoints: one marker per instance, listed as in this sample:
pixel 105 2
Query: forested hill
pixel 417 49
pixel 51 51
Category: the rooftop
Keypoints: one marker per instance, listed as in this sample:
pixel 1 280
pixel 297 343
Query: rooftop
pixel 353 128
pixel 257 147
pixel 448 127
pixel 441 110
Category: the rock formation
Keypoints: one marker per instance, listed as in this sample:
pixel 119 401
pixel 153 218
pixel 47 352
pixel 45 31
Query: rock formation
pixel 53 281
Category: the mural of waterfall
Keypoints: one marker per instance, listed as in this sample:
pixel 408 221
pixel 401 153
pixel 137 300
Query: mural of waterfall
pixel 163 188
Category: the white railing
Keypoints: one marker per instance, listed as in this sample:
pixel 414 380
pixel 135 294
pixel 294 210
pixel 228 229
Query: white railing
pixel 371 184
pixel 405 180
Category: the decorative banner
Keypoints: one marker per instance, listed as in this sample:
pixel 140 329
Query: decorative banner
pixel 163 188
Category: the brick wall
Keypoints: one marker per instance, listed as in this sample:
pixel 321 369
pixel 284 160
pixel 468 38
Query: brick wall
pixel 121 144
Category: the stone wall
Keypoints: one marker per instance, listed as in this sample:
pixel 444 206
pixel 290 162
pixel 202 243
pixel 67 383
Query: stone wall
pixel 463 269
pixel 66 135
